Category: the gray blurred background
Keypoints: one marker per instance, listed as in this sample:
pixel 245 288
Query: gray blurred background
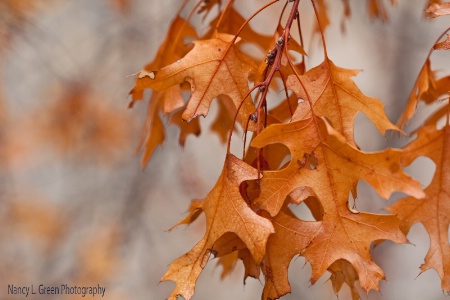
pixel 77 208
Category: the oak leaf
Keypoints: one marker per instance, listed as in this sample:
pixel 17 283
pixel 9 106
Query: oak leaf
pixel 434 210
pixel 185 128
pixel 224 118
pixel 207 67
pixel 444 45
pixel 323 161
pixel 425 82
pixel 428 89
pixel 153 133
pixel 172 49
pixel 290 238
pixel 168 100
pixel 229 248
pixel 336 97
pixel 437 115
pixel 343 272
pixel 226 211
pixel 231 22
pixel 436 10
pixel 194 211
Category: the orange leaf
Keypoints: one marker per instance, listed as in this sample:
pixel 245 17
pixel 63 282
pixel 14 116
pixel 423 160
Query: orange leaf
pixel 168 100
pixel 343 272
pixel 425 82
pixel 226 211
pixel 337 98
pixel 325 162
pixel 231 22
pixel 207 67
pixel 436 10
pixel 152 133
pixel 185 127
pixel 434 210
pixel 224 118
pixel 444 45
pixel 172 49
pixel 290 238
pixel 194 211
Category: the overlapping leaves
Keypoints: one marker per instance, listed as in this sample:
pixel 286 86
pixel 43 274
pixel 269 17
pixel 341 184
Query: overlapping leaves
pixel 247 212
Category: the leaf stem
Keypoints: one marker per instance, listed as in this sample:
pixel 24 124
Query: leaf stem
pixel 320 28
pixel 230 2
pixel 252 16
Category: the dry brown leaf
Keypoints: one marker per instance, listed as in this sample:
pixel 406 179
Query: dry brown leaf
pixel 427 88
pixel 228 262
pixel 444 45
pixel 226 211
pixel 291 237
pixel 207 67
pixel 332 173
pixel 434 210
pixel 224 118
pixel 437 115
pixel 185 128
pixel 168 100
pixel 437 10
pixel 337 98
pixel 231 22
pixel 153 133
pixel 229 243
pixel 343 272
pixel 194 211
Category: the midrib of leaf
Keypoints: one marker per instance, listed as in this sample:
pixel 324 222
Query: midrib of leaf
pixel 336 98
pixel 443 237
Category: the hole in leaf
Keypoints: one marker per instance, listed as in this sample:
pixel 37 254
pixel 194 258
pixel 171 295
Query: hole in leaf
pixel 302 212
pixel 309 161
pixel 295 56
pixel 367 136
pixel 252 50
pixel 309 208
pixel 422 169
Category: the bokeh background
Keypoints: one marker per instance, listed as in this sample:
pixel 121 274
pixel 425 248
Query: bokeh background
pixel 75 205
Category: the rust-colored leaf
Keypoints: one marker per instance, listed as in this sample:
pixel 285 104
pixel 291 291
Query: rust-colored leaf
pixel 168 100
pixel 343 272
pixel 426 88
pixel 194 211
pixel 331 174
pixel 224 119
pixel 437 10
pixel 291 237
pixel 444 45
pixel 337 98
pixel 185 128
pixel 434 210
pixel 207 67
pixel 226 211
pixel 153 133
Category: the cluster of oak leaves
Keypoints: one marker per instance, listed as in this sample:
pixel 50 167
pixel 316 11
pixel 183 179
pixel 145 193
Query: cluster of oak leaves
pixel 247 212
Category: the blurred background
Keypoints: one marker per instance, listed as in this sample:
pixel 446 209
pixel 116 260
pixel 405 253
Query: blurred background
pixel 76 207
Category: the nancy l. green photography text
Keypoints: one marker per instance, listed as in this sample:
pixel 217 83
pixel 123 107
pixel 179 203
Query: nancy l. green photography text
pixel 63 289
